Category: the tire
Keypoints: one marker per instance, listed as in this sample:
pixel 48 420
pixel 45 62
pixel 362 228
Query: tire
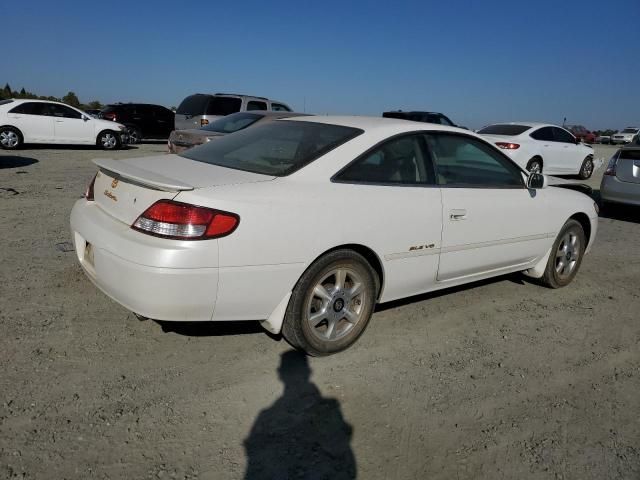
pixel 535 163
pixel 135 135
pixel 109 140
pixel 323 317
pixel 566 256
pixel 10 138
pixel 586 170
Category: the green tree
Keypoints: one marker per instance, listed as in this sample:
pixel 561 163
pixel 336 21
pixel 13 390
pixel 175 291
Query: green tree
pixel 7 91
pixel 95 105
pixel 71 99
pixel 23 93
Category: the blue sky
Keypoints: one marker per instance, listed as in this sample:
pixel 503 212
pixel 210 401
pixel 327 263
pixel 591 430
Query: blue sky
pixel 478 62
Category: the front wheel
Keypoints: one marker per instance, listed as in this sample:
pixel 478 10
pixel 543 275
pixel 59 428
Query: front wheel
pixel 135 136
pixel 566 255
pixel 332 303
pixel 109 140
pixel 586 169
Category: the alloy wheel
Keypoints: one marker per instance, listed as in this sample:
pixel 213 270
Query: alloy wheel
pixel 109 140
pixel 9 139
pixel 567 255
pixel 336 304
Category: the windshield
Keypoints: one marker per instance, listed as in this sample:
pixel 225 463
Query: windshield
pixel 630 130
pixel 510 130
pixel 232 123
pixel 275 148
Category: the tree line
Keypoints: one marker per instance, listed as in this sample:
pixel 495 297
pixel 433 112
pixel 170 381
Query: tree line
pixel 70 98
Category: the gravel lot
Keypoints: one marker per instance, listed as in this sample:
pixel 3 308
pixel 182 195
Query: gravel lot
pixel 501 379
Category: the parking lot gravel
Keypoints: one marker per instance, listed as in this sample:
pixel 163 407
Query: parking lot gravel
pixel 499 379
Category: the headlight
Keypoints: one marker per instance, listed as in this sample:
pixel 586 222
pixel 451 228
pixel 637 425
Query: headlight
pixel 122 128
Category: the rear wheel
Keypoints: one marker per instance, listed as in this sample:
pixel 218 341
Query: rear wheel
pixel 10 138
pixel 535 165
pixel 586 169
pixel 332 304
pixel 566 255
pixel 109 140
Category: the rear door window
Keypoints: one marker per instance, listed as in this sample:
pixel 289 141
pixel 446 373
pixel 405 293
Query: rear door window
pixel 563 136
pixel 223 106
pixel 544 134
pixel 255 105
pixel 31 108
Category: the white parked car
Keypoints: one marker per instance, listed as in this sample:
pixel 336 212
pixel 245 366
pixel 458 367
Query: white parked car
pixel 306 223
pixel 540 147
pixel 627 135
pixel 39 121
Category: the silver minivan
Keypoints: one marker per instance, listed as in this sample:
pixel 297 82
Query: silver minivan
pixel 198 110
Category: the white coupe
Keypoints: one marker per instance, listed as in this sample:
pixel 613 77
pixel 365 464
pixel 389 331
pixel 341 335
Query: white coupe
pixel 39 121
pixel 306 223
pixel 540 147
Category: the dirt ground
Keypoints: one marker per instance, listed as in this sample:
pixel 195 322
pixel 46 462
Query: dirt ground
pixel 501 379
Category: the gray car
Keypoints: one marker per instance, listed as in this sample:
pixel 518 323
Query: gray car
pixel 621 180
pixel 200 109
pixel 181 140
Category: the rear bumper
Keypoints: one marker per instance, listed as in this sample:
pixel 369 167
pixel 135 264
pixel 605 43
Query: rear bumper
pixel 613 190
pixel 144 274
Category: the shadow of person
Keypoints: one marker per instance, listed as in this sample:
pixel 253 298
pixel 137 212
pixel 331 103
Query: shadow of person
pixel 302 435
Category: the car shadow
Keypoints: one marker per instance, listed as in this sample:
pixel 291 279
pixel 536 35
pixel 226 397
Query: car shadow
pixel 212 329
pixel 55 146
pixel 14 161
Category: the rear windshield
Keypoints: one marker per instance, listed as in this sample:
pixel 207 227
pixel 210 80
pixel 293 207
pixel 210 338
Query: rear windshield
pixel 629 130
pixel 223 105
pixel 232 123
pixel 275 148
pixel 193 105
pixel 4 102
pixel 510 130
pixel 631 154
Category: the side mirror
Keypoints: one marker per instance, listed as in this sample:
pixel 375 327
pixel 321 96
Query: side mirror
pixel 85 118
pixel 537 181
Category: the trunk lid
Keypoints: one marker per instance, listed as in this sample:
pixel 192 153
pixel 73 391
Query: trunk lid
pixel 126 188
pixel 191 137
pixel 628 165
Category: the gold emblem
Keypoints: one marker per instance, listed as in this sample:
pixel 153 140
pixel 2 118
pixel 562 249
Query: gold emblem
pixel 110 195
pixel 114 184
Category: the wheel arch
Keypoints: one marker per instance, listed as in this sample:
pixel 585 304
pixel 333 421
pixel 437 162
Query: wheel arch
pixel 104 130
pixel 13 127
pixel 583 219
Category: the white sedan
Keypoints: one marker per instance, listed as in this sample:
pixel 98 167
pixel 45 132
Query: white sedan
pixel 39 121
pixel 306 223
pixel 540 147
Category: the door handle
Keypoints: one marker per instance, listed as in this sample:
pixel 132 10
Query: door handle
pixel 457 214
pixel 59 121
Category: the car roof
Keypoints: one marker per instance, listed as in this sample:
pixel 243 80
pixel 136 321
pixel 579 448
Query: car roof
pixel 413 112
pixel 22 100
pixel 376 123
pixel 525 124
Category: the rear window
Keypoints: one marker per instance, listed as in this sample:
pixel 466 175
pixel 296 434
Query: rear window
pixel 194 105
pixel 4 102
pixel 631 154
pixel 629 130
pixel 232 123
pixel 223 106
pixel 276 148
pixel 510 130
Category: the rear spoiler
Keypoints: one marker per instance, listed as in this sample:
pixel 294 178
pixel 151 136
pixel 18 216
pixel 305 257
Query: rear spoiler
pixel 141 176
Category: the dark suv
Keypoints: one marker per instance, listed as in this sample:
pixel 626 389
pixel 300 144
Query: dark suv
pixel 426 117
pixel 142 120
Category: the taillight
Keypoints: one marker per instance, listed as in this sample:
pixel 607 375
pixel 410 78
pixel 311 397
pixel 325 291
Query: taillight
pixel 88 193
pixel 183 221
pixel 110 116
pixel 203 122
pixel 508 145
pixel 611 167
